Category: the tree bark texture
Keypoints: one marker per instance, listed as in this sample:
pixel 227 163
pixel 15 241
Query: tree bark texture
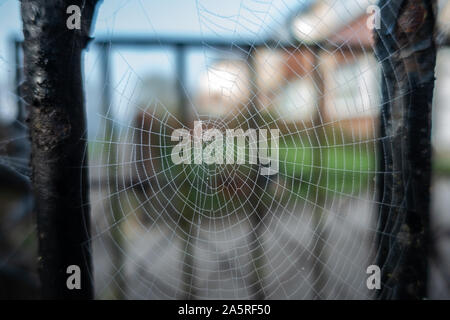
pixel 406 49
pixel 56 117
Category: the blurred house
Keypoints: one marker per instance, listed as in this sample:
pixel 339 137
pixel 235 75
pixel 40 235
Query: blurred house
pixel 326 73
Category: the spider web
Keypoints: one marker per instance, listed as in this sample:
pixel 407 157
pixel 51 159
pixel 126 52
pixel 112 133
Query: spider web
pixel 221 231
pixel 165 231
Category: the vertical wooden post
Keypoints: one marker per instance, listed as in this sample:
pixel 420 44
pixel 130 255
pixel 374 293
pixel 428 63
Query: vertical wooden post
pixel 189 291
pixel 180 65
pixel 54 96
pixel 406 50
pixel 258 212
pixel 318 195
pixel 111 154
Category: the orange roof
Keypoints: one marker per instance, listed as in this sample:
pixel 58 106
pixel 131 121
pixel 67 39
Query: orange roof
pixel 356 33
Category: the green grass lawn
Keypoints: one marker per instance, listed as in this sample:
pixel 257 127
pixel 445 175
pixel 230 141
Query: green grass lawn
pixel 303 170
pixel 340 169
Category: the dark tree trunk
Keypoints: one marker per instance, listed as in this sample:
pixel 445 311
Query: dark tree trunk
pixel 55 102
pixel 407 52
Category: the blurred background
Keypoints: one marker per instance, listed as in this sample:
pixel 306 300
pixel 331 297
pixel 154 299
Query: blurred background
pixel 159 231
